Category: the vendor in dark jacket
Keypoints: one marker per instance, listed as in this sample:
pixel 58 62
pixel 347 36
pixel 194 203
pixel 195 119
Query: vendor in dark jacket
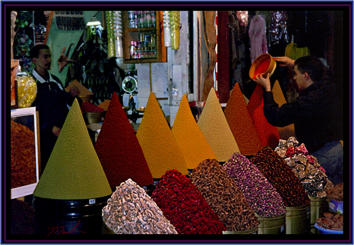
pixel 314 113
pixel 52 101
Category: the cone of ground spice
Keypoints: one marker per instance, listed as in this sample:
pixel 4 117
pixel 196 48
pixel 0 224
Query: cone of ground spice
pixel 89 107
pixel 223 196
pixel 281 177
pixel 84 93
pixel 131 211
pixel 278 96
pixel 214 126
pixel 241 123
pixel 259 193
pixel 160 148
pixel 105 104
pixel 184 206
pixel 189 138
pixel 73 170
pixel 267 133
pixel 118 149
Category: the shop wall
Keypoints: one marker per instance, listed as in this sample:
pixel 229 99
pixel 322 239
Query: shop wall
pixel 165 76
pixel 58 39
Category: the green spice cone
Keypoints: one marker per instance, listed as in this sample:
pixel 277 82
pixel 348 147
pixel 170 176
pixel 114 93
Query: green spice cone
pixel 73 170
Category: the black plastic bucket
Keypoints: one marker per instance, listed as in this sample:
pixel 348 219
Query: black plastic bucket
pixel 69 217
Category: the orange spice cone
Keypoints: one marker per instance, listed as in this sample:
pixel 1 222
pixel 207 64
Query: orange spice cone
pixel 189 137
pixel 155 137
pixel 241 123
pixel 213 124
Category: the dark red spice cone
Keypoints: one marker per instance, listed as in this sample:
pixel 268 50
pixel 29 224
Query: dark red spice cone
pixel 268 134
pixel 118 149
pixel 241 123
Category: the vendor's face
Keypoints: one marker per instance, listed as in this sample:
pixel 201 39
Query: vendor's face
pixel 43 61
pixel 300 79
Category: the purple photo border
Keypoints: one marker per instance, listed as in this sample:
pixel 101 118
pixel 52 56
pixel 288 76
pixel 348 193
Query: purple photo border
pixel 5 5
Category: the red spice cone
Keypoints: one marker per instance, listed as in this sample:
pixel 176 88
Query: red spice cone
pixel 241 123
pixel 119 150
pixel 267 133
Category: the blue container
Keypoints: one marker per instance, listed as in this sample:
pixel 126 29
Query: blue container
pixel 328 231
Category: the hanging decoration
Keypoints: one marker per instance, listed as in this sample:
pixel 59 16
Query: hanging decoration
pixel 175 28
pixel 210 38
pixel 110 33
pixel 278 30
pixel 167 29
pixel 23 39
pixel 69 20
pixel 171 28
pixel 242 17
pixel 118 33
pixel 257 34
pixel 13 32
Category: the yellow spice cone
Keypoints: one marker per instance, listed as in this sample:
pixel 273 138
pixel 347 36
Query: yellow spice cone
pixel 213 124
pixel 189 138
pixel 289 130
pixel 73 170
pixel 157 141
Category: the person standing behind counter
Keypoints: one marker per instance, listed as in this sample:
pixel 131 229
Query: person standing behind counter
pixel 52 101
pixel 314 112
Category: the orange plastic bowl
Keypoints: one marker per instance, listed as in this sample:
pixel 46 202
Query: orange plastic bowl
pixel 263 64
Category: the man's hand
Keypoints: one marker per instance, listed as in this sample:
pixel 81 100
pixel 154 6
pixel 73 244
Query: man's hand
pixel 56 131
pixel 285 61
pixel 63 60
pixel 264 81
pixel 74 91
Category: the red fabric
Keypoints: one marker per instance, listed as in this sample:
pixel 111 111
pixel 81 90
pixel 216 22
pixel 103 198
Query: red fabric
pixel 268 134
pixel 118 149
pixel 89 107
pixel 241 123
pixel 223 56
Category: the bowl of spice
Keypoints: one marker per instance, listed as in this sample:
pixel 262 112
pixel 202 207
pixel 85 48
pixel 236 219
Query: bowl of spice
pixel 262 65
pixel 330 223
